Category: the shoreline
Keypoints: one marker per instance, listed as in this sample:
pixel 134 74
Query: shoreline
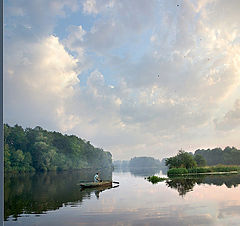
pixel 211 173
pixel 156 179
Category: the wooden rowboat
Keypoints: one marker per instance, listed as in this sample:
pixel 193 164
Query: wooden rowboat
pixel 96 184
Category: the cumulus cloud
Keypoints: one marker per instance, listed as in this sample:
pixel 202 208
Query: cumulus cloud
pixel 38 81
pixel 144 78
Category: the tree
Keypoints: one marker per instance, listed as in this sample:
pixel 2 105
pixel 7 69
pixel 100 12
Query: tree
pixel 181 160
pixel 16 138
pixel 200 160
pixel 41 150
pixel 7 158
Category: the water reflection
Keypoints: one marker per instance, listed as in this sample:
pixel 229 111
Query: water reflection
pixel 38 193
pixel 142 172
pixel 184 185
pixel 135 202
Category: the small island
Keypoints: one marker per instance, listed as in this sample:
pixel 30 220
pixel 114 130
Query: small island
pixel 188 164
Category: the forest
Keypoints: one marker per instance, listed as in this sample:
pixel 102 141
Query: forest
pixel 41 150
pixel 216 156
pixel 226 156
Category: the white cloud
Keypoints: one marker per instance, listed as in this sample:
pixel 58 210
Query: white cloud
pixel 39 88
pixel 153 76
pixel 89 6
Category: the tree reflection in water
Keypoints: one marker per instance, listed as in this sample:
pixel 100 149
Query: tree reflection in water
pixel 183 185
pixel 40 192
pixel 186 184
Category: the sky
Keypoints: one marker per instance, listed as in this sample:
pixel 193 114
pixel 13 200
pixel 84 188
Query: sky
pixel 136 78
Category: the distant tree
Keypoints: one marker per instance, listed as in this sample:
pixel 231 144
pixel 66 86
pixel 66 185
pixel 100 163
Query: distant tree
pixel 200 160
pixel 144 162
pixel 228 156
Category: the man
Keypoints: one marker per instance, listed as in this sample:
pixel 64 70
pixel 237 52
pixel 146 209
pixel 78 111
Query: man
pixel 96 178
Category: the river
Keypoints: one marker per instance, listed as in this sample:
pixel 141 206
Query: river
pixel 54 198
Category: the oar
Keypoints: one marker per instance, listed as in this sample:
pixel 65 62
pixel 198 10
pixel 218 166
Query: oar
pixel 115 182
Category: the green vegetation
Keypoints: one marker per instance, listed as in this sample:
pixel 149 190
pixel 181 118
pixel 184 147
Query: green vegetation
pixel 40 150
pixel 218 168
pixel 177 171
pixel 228 156
pixel 186 163
pixel 155 179
pixel 181 160
pixel 208 169
pixel 199 160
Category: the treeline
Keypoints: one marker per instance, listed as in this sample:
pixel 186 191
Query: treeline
pixel 227 156
pixel 139 162
pixel 185 160
pixel 202 157
pixel 144 162
pixel 41 150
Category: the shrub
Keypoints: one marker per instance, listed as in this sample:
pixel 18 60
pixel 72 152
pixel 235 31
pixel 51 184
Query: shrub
pixel 221 168
pixel 177 171
pixel 199 170
pixel 155 179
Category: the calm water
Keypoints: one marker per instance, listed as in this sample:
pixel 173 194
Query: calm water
pixel 55 199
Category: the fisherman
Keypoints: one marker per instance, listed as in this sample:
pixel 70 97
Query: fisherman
pixel 96 178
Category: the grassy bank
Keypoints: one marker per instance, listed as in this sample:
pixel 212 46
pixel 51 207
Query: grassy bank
pixel 219 169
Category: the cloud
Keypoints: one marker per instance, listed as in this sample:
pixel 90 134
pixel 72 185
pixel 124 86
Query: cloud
pixel 231 119
pixel 38 81
pixel 117 23
pixel 39 16
pixel 143 78
pixel 89 6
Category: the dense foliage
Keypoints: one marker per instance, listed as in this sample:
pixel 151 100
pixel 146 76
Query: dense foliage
pixel 200 160
pixel 228 156
pixel 177 171
pixel 41 150
pixel 181 160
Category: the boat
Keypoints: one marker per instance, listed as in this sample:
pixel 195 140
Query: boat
pixel 96 184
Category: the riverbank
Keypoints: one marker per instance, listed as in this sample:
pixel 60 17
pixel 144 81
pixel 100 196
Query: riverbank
pixel 155 179
pixel 219 169
pixel 212 173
